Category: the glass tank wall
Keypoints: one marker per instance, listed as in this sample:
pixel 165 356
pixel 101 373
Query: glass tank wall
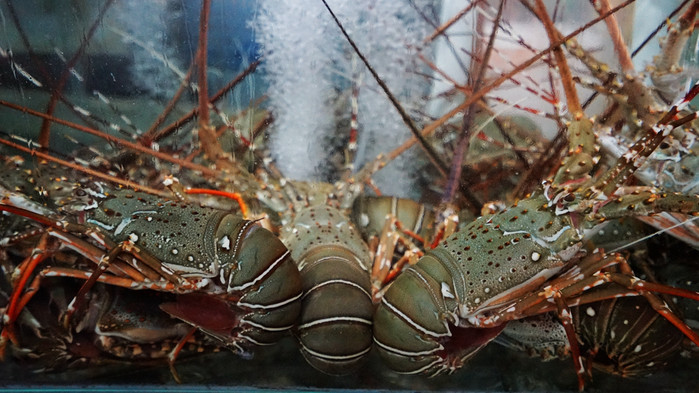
pixel 294 124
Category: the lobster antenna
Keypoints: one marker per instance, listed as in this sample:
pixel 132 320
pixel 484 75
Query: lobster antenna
pixel 643 44
pixel 455 179
pixel 89 171
pixel 656 233
pixel 628 163
pixel 432 155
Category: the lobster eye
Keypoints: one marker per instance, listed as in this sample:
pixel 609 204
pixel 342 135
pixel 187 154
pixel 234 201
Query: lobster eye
pixel 80 192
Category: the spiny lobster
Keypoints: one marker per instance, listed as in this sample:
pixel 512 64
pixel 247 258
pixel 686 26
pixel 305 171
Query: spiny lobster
pixel 254 189
pixel 502 267
pixel 234 280
pixel 528 258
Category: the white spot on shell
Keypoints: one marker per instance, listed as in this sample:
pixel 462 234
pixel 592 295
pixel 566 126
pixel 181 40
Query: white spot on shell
pixel 174 251
pixel 477 300
pixel 225 243
pixel 638 348
pixel 363 220
pixel 486 290
pixel 590 311
pixel 446 291
pixel 133 237
pixel 535 256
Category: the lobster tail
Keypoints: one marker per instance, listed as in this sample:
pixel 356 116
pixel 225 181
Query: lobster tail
pixel 334 337
pixel 418 315
pixel 336 317
pixel 270 284
pixel 261 283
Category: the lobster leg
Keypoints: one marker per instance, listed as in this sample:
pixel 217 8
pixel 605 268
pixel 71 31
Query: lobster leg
pixel 564 315
pixel 637 154
pixel 62 229
pixel 573 293
pixel 123 282
pixel 104 263
pixel 384 270
pixel 8 331
pixel 19 297
pixel 172 356
pixel 644 288
pixel 58 230
pixel 383 258
pixel 642 201
pixel 40 253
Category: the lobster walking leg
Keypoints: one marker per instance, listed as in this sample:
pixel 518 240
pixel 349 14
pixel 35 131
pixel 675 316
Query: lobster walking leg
pixel 19 297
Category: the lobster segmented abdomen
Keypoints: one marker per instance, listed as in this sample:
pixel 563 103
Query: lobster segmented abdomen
pixel 418 315
pixel 335 329
pixel 258 289
pixel 335 332
pixel 271 289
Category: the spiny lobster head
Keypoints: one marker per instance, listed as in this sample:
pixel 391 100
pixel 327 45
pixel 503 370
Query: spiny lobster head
pixel 500 255
pixel 543 220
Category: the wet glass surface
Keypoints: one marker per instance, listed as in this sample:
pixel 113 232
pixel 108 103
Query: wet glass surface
pixel 286 88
